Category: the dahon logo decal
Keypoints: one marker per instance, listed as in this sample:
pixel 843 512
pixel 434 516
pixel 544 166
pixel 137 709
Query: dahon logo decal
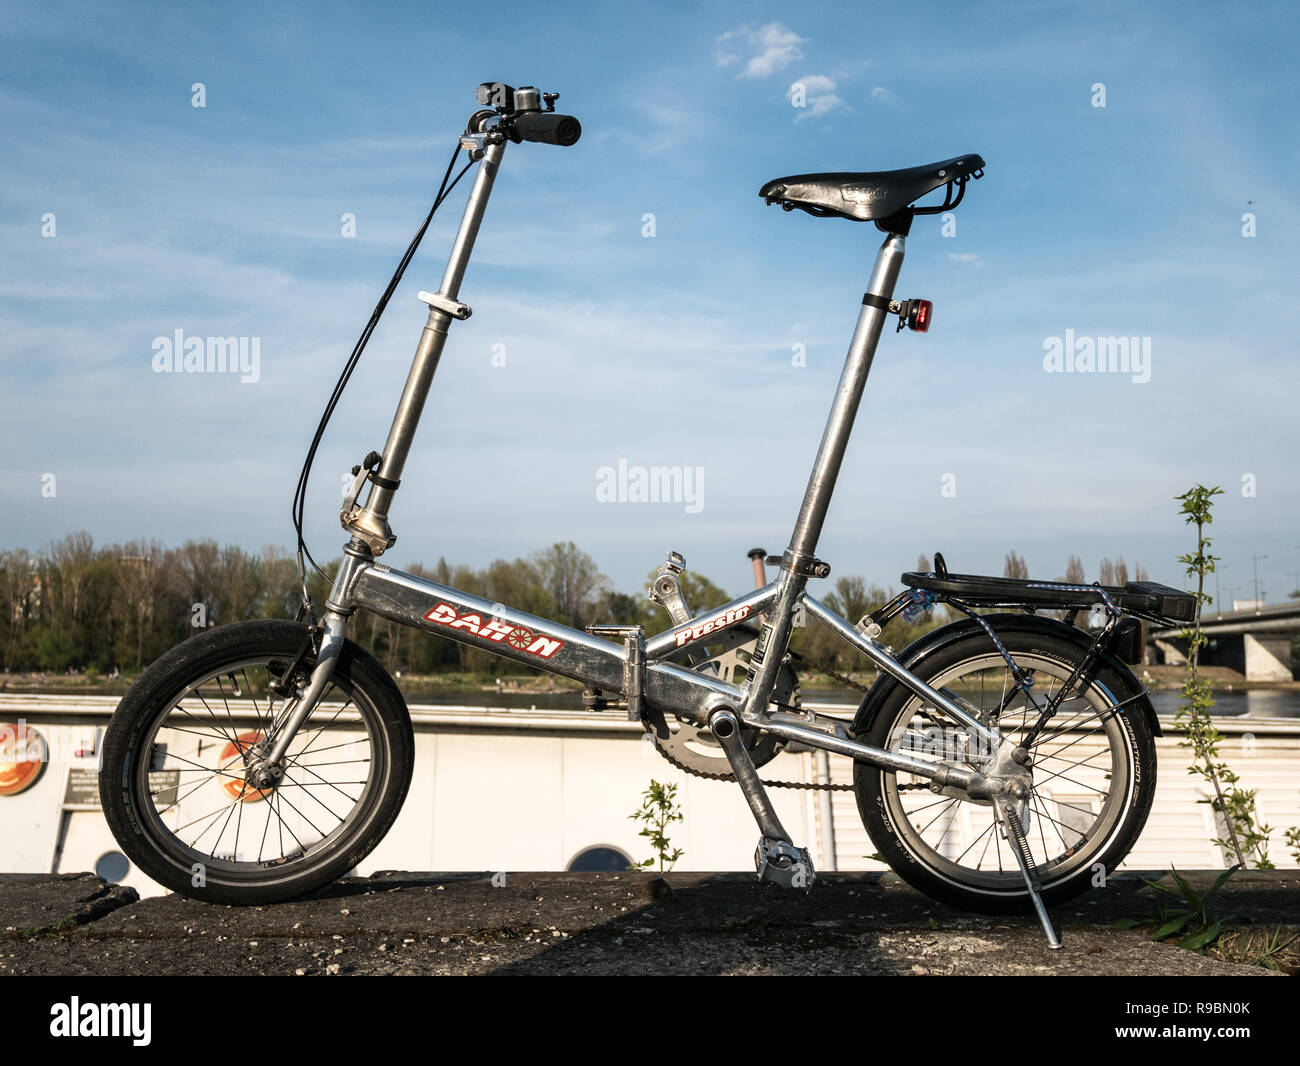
pixel 520 638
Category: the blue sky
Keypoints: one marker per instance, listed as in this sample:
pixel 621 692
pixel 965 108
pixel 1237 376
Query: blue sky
pixel 672 350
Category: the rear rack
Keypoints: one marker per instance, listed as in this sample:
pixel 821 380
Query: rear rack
pixel 1146 599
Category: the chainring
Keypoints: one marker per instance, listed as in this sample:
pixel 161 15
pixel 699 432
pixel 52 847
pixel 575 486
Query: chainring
pixel 694 748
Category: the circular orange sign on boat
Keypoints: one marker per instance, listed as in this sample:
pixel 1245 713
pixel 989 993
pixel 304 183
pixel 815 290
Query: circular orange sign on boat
pixel 232 759
pixel 23 755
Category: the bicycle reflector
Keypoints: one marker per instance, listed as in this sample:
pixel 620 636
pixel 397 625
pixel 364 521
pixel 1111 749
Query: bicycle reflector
pixel 918 315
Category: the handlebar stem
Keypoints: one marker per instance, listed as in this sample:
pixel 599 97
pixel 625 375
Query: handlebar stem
pixel 371 524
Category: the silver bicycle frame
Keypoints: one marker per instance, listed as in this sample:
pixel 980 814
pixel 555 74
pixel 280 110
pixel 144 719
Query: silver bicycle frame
pixel 670 687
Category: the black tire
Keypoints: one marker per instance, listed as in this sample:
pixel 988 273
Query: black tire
pixel 1126 766
pixel 226 663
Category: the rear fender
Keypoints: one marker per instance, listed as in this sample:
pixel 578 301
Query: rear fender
pixel 915 654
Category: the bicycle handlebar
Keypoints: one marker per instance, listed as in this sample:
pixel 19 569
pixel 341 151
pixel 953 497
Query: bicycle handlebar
pixel 546 127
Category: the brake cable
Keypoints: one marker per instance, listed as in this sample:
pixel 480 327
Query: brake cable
pixel 300 493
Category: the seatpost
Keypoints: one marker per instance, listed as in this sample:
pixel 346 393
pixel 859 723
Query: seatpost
pixel 857 365
pixel 370 525
pixel 797 562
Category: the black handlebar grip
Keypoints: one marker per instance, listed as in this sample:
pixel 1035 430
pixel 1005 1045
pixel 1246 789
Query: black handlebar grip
pixel 545 127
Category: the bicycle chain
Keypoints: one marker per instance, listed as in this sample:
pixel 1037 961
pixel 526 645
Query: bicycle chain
pixel 843 679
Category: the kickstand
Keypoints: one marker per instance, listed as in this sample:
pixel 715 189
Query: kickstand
pixel 1020 846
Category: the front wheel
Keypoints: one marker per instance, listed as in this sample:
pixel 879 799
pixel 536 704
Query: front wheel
pixel 1093 769
pixel 173 784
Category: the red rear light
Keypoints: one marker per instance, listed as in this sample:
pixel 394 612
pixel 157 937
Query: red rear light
pixel 918 318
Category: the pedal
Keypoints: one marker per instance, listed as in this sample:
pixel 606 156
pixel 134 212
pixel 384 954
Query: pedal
pixel 1025 859
pixel 783 864
pixel 667 592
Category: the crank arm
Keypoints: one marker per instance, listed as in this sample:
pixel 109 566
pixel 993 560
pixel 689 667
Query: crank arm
pixel 726 730
pixel 777 858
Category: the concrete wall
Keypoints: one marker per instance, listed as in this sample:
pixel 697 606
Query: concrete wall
pixel 491 797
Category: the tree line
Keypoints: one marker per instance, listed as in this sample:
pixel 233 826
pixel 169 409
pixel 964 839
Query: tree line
pixel 77 606
pixel 1109 572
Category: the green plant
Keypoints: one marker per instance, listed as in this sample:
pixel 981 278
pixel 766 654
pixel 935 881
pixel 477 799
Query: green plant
pixel 1268 953
pixel 1293 842
pixel 658 810
pixel 1246 837
pixel 1200 926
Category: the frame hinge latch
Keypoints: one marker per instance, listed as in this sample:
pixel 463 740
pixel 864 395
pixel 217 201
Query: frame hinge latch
pixel 360 475
pixel 633 671
pixel 368 527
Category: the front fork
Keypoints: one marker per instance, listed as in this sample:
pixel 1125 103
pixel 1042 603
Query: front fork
pixel 266 768
pixel 266 764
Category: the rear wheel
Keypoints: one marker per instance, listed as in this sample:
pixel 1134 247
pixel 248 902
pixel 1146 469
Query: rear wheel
pixel 1093 776
pixel 173 786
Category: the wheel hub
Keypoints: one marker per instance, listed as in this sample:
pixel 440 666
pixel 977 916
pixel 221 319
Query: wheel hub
pixel 263 774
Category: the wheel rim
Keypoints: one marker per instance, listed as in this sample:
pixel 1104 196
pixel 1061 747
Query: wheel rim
pixel 1083 770
pixel 192 795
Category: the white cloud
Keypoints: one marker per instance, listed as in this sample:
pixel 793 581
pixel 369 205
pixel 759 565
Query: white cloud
pixel 818 83
pixel 814 95
pixel 769 48
pixel 966 257
pixel 882 94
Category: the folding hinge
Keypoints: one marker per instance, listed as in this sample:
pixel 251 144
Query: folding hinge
pixel 367 526
pixel 633 670
pixel 361 474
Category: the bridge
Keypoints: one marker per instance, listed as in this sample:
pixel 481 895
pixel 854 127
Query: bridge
pixel 1255 641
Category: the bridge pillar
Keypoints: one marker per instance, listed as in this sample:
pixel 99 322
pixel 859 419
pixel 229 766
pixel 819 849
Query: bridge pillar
pixel 1174 655
pixel 1268 657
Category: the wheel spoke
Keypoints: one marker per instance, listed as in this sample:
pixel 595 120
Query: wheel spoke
pixel 1040 809
pixel 989 833
pixel 951 804
pixel 300 815
pixel 179 774
pixel 1083 749
pixel 189 714
pixel 312 795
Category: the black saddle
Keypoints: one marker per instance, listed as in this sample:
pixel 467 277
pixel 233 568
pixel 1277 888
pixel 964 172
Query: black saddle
pixel 881 196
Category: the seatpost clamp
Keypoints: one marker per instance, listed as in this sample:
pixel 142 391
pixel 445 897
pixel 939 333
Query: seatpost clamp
pixel 804 564
pixel 446 304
